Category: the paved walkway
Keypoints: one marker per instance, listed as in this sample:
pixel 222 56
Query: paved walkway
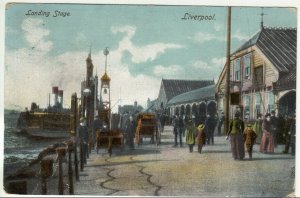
pixel 167 171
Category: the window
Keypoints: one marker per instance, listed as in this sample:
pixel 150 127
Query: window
pixel 247 104
pixel 271 101
pixel 257 103
pixel 237 70
pixel 258 75
pixel 247 66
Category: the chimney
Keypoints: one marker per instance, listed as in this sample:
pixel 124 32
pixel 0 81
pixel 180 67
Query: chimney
pixel 61 95
pixel 55 92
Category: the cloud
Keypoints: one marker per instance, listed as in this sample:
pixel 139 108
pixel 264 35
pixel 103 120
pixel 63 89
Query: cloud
pixel 239 36
pixel 218 26
pixel 199 64
pixel 35 34
pixel 218 62
pixel 31 72
pixel 167 72
pixel 202 37
pixel 141 54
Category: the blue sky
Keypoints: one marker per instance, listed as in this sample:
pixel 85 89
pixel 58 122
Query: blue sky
pixel 147 43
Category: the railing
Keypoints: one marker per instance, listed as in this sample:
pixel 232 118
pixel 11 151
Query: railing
pixel 55 174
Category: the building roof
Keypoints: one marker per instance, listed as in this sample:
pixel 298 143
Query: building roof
pixel 204 93
pixel 277 44
pixel 175 87
pixel 252 41
pixel 286 81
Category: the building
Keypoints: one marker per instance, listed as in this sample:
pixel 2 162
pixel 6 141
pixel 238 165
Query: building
pixel 262 75
pixel 196 103
pixel 89 93
pixel 170 88
pixel 130 109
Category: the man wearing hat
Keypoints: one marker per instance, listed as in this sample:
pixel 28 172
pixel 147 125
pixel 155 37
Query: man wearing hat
pixel 97 126
pixel 274 123
pixel 84 138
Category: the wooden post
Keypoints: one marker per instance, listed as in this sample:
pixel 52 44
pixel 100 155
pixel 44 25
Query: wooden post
pixel 61 151
pixel 110 145
pixel 227 94
pixel 76 161
pixel 17 187
pixel 70 149
pixel 46 171
pixel 81 155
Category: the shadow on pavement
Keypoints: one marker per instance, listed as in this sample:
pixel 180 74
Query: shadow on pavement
pixel 126 162
pixel 139 151
pixel 269 158
pixel 215 151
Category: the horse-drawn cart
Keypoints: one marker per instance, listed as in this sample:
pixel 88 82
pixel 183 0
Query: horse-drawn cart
pixel 112 138
pixel 147 127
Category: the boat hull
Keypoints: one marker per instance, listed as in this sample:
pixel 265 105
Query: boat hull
pixel 46 133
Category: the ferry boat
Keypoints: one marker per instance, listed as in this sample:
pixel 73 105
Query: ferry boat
pixel 53 122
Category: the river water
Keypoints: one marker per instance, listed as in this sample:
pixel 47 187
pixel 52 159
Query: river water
pixel 19 149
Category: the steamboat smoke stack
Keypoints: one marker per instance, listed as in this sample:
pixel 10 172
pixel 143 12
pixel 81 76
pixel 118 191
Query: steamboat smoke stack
pixel 55 92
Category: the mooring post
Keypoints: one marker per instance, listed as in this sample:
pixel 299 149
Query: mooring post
pixel 81 155
pixel 17 187
pixel 70 171
pixel 46 171
pixel 61 151
pixel 76 161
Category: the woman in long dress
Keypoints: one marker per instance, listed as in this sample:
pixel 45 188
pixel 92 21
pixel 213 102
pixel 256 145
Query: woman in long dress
pixel 267 140
pixel 236 129
pixel 190 135
pixel 258 128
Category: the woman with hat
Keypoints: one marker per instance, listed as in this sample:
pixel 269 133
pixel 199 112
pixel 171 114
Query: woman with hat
pixel 236 128
pixel 200 139
pixel 249 138
pixel 258 128
pixel 190 135
pixel 267 140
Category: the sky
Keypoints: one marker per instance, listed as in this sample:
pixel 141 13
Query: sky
pixel 146 43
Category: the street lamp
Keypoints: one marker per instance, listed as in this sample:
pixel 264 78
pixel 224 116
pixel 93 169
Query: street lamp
pixel 87 92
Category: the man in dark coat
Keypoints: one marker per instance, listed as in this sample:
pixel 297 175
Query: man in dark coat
pixel 175 123
pixel 210 125
pixel 287 135
pixel 180 129
pixel 162 120
pixel 293 136
pixel 130 130
pixel 97 125
pixel 84 139
pixel 274 122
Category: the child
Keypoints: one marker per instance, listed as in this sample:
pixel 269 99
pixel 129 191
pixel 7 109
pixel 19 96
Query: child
pixel 190 135
pixel 249 139
pixel 200 139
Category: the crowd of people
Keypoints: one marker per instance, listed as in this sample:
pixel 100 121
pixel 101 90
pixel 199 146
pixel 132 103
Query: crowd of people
pixel 267 131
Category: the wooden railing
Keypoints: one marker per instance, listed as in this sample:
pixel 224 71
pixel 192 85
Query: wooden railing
pixel 56 168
